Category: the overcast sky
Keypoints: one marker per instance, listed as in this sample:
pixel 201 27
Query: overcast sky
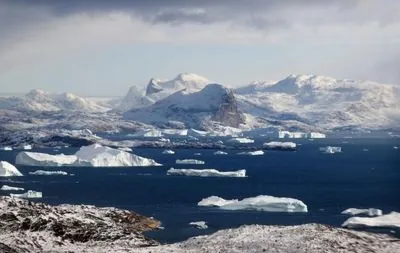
pixel 103 47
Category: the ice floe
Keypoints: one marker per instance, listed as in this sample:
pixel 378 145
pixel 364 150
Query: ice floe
pixel 367 211
pixel 189 161
pixel 28 195
pixel 94 155
pixel 6 148
pixel 391 220
pixel 168 152
pixel 48 173
pixel 199 224
pixel 241 140
pixel 206 173
pixel 280 145
pixel 257 152
pixel 261 203
pixel 330 149
pixel 11 188
pixel 27 147
pixel 220 153
pixel 8 170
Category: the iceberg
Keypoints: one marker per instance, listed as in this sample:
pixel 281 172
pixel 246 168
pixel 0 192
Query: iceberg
pixel 94 155
pixel 197 154
pixel 206 173
pixel 168 152
pixel 199 224
pixel 257 152
pixel 391 220
pixel 27 147
pixel 280 145
pixel 241 140
pixel 8 170
pixel 220 153
pixel 126 149
pixel 189 161
pixel 260 203
pixel 291 135
pixel 48 173
pixel 28 195
pixel 6 148
pixel 315 135
pixel 330 149
pixel 11 188
pixel 395 147
pixel 357 211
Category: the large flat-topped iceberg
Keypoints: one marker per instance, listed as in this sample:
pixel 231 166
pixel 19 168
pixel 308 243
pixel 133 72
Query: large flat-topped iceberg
pixel 391 220
pixel 206 173
pixel 260 203
pixel 189 161
pixel 367 211
pixel 94 155
pixel 241 140
pixel 8 170
pixel 280 145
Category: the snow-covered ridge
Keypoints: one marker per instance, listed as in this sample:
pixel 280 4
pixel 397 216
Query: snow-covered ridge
pixel 206 173
pixel 261 203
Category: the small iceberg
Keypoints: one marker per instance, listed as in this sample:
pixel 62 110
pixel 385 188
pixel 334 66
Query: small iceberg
pixel 28 195
pixel 199 224
pixel 206 173
pixel 368 211
pixel 189 161
pixel 27 147
pixel 168 152
pixel 395 147
pixel 197 154
pixel 260 203
pixel 330 149
pixel 11 188
pixel 365 150
pixel 8 170
pixel 391 220
pixel 278 145
pixel 48 173
pixel 94 155
pixel 220 153
pixel 6 148
pixel 241 140
pixel 257 152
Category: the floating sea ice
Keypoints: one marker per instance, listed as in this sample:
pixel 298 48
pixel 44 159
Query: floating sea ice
pixel 189 161
pixel 206 173
pixel 368 211
pixel 28 195
pixel 280 145
pixel 48 173
pixel 260 203
pixel 220 153
pixel 8 170
pixel 257 152
pixel 10 188
pixel 168 152
pixel 199 224
pixel 330 149
pixel 241 140
pixel 391 220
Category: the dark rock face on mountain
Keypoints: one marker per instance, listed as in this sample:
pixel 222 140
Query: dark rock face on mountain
pixel 228 113
pixel 35 227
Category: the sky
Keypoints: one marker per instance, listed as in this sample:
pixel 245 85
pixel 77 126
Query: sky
pixel 101 47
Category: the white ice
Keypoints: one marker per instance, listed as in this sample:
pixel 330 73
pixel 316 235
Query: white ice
pixel 220 153
pixel 206 173
pixel 367 211
pixel 391 220
pixel 48 173
pixel 168 152
pixel 126 149
pixel 241 140
pixel 330 149
pixel 280 145
pixel 189 161
pixel 6 148
pixel 28 195
pixel 261 203
pixel 8 170
pixel 11 188
pixel 199 224
pixel 94 155
pixel 257 152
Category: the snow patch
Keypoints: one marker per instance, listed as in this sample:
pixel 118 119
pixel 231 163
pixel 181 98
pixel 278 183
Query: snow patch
pixel 206 173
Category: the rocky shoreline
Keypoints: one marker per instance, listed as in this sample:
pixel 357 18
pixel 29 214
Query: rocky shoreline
pixel 27 226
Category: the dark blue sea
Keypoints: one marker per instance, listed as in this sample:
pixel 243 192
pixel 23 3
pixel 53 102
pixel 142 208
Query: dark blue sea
pixel 327 183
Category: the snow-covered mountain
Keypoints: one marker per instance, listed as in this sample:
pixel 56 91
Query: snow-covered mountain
pixel 133 99
pixel 184 108
pixel 324 102
pixel 38 100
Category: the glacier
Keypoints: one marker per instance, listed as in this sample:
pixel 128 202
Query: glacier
pixel 189 161
pixel 367 211
pixel 206 173
pixel 391 220
pixel 94 155
pixel 8 170
pixel 260 203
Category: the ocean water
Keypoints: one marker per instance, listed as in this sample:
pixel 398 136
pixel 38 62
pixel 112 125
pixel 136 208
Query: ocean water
pixel 327 183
